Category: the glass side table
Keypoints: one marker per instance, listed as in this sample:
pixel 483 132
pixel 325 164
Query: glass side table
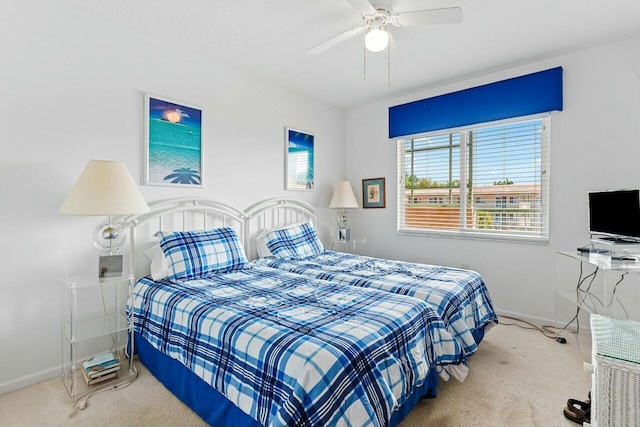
pixel 358 247
pixel 95 321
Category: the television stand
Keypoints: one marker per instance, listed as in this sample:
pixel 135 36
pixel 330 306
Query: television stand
pixel 615 240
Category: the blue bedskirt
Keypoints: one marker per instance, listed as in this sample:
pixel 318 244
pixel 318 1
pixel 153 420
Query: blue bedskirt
pixel 213 407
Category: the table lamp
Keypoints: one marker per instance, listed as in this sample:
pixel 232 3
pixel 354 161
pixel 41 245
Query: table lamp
pixel 343 198
pixel 106 188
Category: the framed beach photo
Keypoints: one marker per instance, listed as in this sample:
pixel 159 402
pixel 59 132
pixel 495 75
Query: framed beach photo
pixel 299 160
pixel 373 193
pixel 173 143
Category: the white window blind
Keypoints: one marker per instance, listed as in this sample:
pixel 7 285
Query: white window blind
pixel 489 180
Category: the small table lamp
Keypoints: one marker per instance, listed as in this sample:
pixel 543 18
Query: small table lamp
pixel 343 198
pixel 106 188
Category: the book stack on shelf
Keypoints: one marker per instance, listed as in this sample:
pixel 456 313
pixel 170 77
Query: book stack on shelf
pixel 100 368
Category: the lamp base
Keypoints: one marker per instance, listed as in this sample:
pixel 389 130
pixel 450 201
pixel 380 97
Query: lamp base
pixel 344 234
pixel 109 238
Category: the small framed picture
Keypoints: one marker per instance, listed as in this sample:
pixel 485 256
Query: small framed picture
pixel 373 193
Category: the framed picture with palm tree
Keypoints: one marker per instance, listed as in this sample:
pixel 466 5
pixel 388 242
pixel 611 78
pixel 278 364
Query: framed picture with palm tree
pixel 173 143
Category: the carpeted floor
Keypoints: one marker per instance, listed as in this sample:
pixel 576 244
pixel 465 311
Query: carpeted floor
pixel 517 378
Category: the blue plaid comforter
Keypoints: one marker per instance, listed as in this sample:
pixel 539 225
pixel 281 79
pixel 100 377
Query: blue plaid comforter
pixel 459 296
pixel 294 351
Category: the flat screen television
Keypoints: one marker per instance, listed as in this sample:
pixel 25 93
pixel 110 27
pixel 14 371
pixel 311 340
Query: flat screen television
pixel 615 215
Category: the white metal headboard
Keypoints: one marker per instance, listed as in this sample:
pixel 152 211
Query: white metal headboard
pixel 179 214
pixel 271 213
pixel 199 213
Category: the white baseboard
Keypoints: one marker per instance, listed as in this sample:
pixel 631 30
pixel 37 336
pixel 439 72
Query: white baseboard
pixel 28 380
pixel 542 321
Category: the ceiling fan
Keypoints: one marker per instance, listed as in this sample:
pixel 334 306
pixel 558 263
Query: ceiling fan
pixel 377 17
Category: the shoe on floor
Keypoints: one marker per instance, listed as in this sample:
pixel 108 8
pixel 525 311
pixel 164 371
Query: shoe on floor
pixel 577 411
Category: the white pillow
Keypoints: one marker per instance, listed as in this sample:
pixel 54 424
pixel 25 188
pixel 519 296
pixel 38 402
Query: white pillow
pixel 159 268
pixel 262 239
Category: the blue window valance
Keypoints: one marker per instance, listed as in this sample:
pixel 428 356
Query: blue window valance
pixel 520 96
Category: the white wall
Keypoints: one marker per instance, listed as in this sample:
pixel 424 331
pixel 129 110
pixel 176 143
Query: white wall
pixel 71 89
pixel 595 146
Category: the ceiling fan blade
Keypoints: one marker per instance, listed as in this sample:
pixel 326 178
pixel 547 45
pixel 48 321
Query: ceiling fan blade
pixel 335 40
pixel 362 5
pixel 447 15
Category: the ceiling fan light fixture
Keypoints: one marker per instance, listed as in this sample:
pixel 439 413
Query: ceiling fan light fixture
pixel 376 39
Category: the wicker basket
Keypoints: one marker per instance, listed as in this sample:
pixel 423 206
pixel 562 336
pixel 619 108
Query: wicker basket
pixel 615 397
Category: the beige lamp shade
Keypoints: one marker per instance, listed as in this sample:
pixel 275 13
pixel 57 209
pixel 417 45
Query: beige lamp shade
pixel 104 188
pixel 343 196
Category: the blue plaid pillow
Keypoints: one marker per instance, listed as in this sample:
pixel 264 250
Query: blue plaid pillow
pixel 195 254
pixel 297 242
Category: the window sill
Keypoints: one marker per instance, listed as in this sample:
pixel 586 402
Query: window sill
pixel 473 235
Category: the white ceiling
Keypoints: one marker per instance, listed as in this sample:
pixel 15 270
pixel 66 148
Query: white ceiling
pixel 269 38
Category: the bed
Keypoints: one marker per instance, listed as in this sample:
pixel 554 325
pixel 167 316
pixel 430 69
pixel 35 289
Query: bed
pixel 243 344
pixel 282 236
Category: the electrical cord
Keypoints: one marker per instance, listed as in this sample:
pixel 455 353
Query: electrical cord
pixel 613 295
pixel 615 287
pixel 582 294
pixel 114 344
pixel 545 330
pixel 601 303
pixel 580 301
pixel 82 401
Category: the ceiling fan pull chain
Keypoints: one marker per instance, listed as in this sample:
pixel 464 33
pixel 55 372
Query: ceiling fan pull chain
pixel 389 64
pixel 364 62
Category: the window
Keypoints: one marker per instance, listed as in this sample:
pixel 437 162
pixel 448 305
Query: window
pixel 488 180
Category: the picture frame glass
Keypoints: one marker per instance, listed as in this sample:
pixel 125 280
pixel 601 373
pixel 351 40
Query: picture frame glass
pixel 373 193
pixel 299 161
pixel 173 143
